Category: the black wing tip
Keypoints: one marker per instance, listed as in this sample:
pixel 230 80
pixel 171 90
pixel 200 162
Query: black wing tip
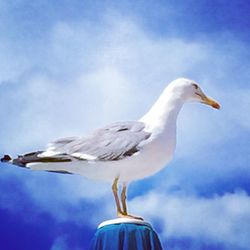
pixel 6 158
pixel 58 171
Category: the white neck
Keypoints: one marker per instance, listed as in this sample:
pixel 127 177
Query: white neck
pixel 163 114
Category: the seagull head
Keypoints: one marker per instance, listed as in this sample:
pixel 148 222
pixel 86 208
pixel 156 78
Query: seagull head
pixel 189 90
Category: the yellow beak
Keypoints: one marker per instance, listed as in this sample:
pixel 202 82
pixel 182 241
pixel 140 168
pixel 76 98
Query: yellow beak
pixel 209 101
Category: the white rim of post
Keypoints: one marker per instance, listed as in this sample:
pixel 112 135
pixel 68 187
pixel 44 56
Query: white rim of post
pixel 124 220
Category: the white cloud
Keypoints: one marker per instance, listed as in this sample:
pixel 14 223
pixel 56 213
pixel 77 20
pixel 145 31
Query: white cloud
pixel 94 75
pixel 90 76
pixel 220 219
pixel 12 64
pixel 60 243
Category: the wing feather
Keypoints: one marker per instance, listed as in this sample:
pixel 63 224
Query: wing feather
pixel 113 142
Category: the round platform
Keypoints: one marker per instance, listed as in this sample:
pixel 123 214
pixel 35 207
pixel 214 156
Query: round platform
pixel 124 220
pixel 124 234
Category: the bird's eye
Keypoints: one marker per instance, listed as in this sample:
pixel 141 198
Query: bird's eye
pixel 195 85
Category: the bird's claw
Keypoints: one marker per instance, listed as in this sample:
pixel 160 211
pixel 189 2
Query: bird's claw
pixel 129 216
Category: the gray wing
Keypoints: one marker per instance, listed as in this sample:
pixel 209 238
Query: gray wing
pixel 113 142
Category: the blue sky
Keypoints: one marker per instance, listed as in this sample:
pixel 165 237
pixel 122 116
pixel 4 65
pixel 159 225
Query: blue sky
pixel 68 68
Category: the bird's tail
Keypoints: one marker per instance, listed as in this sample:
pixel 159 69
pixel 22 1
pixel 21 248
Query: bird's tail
pixel 41 163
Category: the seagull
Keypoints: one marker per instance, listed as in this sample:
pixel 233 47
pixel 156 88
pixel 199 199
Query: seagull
pixel 122 151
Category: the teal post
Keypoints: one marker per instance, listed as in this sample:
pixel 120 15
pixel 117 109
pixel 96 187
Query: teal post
pixel 128 235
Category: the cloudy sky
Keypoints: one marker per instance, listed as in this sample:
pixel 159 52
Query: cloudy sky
pixel 68 67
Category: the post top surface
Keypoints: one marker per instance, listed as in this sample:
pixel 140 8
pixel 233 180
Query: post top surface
pixel 123 220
